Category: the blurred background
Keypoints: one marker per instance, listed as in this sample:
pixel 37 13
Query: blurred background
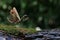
pixel 41 13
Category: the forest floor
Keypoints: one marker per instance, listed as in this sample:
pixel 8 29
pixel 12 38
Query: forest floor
pixel 15 30
pixel 29 33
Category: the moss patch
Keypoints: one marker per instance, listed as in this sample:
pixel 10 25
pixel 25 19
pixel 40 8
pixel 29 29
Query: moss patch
pixel 13 30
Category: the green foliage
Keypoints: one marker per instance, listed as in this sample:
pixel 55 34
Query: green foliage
pixel 47 9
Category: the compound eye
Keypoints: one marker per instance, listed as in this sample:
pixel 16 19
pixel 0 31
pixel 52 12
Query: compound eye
pixel 12 12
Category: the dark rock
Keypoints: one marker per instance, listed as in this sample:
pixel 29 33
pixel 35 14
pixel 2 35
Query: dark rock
pixel 2 38
pixel 38 39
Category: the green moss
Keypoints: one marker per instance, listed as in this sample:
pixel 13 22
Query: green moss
pixel 16 30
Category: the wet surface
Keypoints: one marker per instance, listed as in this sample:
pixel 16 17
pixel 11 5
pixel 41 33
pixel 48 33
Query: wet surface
pixel 42 35
pixel 2 38
pixel 53 34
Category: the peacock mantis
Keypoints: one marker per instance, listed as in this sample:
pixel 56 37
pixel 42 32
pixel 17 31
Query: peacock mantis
pixel 15 18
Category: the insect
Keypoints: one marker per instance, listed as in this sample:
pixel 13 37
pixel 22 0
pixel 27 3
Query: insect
pixel 14 16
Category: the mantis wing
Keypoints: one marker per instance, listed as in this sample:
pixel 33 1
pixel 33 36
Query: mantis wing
pixel 14 16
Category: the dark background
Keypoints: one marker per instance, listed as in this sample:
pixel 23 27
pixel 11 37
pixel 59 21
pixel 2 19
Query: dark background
pixel 42 13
